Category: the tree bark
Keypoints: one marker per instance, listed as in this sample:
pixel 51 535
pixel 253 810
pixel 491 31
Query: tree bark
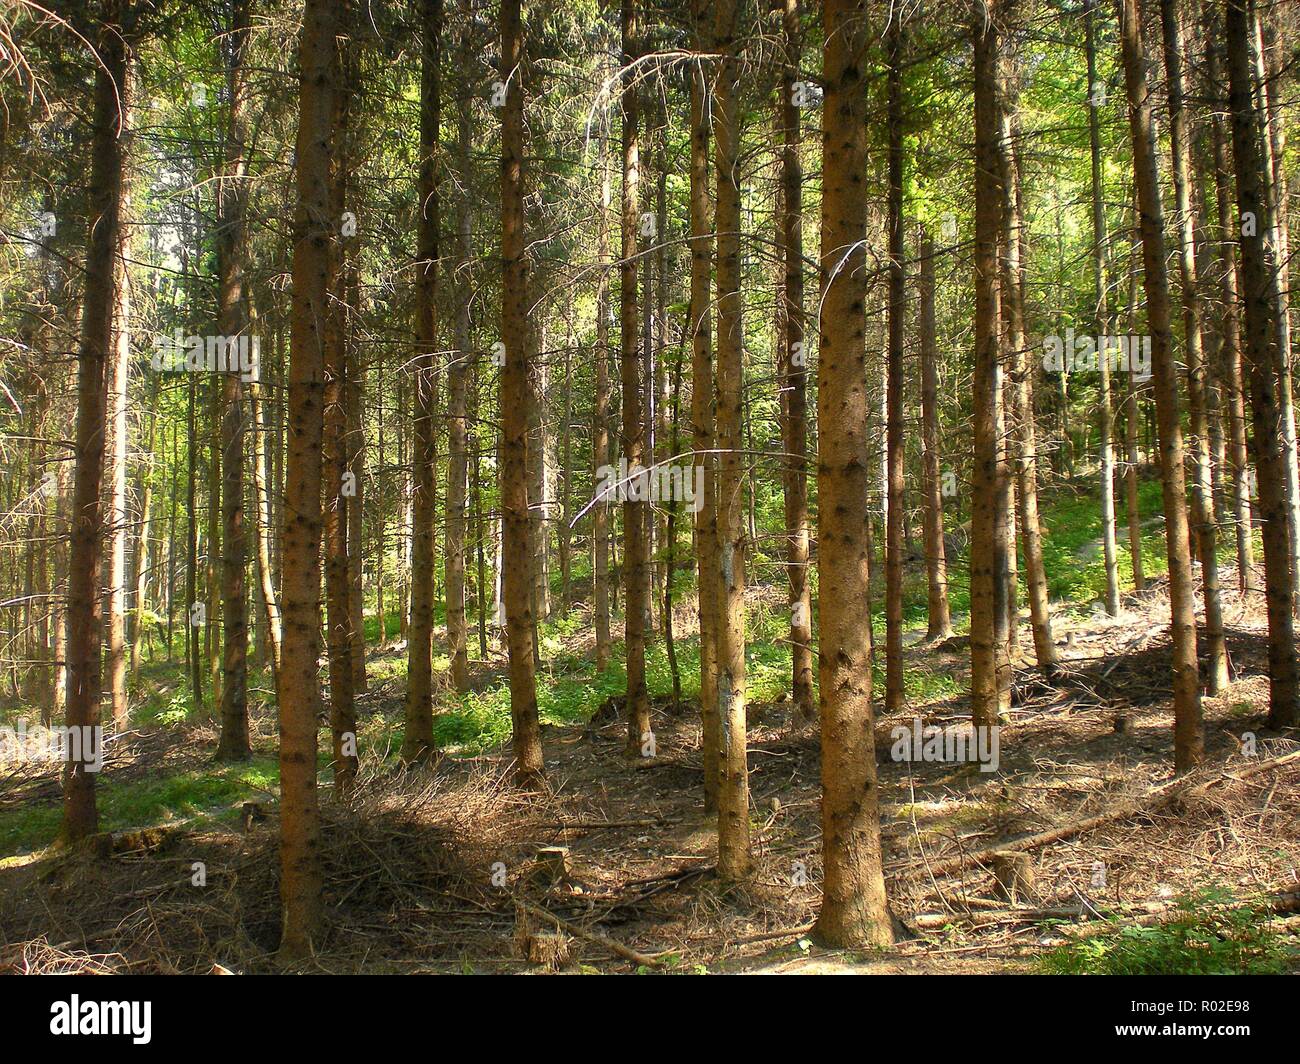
pixel 853 909
pixel 1188 737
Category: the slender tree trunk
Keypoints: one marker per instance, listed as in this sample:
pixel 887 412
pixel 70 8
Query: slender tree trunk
pixel 232 256
pixel 936 563
pixel 601 400
pixel 299 692
pixel 85 604
pixel 894 697
pixel 1100 242
pixel 636 513
pixel 1261 308
pixel 990 679
pixel 733 789
pixel 417 743
pixel 1020 390
pixel 853 908
pixel 516 573
pixel 1216 667
pixel 702 406
pixel 792 374
pixel 1188 737
pixel 1230 321
pixel 457 421
pixel 116 517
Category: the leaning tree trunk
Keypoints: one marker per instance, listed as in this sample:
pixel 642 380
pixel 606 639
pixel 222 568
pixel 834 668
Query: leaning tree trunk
pixel 853 908
pixel 85 604
pixel 1261 307
pixel 517 574
pixel 299 691
pixel 1188 737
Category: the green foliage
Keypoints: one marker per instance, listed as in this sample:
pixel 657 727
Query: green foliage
pixel 1212 935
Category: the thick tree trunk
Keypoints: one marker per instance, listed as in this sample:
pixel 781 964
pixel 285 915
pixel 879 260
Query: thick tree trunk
pixel 1261 309
pixel 516 575
pixel 1188 731
pixel 299 691
pixel 853 908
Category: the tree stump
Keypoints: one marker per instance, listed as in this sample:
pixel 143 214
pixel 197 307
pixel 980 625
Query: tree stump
pixel 1014 874
pixel 552 866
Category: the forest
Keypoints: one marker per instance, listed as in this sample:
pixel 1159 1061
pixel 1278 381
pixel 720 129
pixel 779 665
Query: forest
pixel 649 487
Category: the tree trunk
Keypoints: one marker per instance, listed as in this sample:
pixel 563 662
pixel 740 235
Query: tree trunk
pixel 733 788
pixel 516 576
pixel 417 742
pixel 936 562
pixel 636 513
pixel 1100 241
pixel 1216 651
pixel 1261 308
pixel 85 604
pixel 853 908
pixel 701 326
pixel 299 692
pixel 990 670
pixel 1188 737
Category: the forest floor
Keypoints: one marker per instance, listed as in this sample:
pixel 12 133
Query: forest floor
pixel 430 870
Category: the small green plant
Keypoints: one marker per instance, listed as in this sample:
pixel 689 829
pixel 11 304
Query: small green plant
pixel 1211 935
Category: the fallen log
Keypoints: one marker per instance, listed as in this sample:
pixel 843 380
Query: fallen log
pixel 617 948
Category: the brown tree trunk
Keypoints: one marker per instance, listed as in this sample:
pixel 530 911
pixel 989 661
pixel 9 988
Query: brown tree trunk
pixel 1188 737
pixel 600 455
pixel 793 375
pixel 516 576
pixel 457 421
pixel 636 514
pixel 116 517
pixel 232 310
pixel 853 908
pixel 701 328
pixel 1261 308
pixel 1202 512
pixel 733 789
pixel 936 563
pixel 417 742
pixel 1023 439
pixel 1100 241
pixel 1230 320
pixel 894 698
pixel 85 604
pixel 299 692
pixel 990 670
